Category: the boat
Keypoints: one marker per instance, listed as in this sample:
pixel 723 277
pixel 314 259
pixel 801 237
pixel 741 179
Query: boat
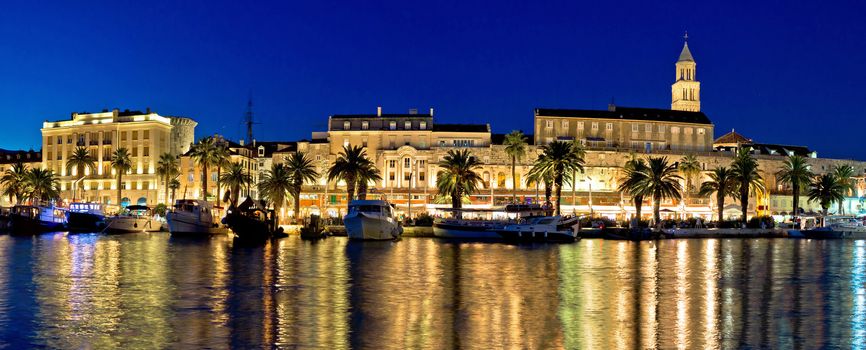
pixel 133 219
pixel 371 220
pixel 37 219
pixel 5 220
pixel 252 221
pixel 85 217
pixel 539 229
pixel 313 230
pixel 835 227
pixel 483 224
pixel 192 217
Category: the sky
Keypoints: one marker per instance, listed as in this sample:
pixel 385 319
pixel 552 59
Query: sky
pixel 787 72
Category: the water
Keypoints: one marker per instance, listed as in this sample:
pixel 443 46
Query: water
pixel 154 291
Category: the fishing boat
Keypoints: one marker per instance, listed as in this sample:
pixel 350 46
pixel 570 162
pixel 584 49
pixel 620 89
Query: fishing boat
pixel 835 227
pixel 37 219
pixel 371 220
pixel 133 219
pixel 85 217
pixel 483 224
pixel 252 221
pixel 540 229
pixel 192 217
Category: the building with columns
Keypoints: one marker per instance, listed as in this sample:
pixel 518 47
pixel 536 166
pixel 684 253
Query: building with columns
pixel 146 135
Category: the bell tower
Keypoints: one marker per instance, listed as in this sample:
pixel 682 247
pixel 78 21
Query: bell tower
pixel 686 90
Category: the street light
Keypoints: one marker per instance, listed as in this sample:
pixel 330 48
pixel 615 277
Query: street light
pixel 409 203
pixel 589 182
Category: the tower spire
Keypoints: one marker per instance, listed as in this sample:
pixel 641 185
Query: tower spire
pixel 248 119
pixel 686 89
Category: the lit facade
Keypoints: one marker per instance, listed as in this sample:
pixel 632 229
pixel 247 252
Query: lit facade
pixel 146 135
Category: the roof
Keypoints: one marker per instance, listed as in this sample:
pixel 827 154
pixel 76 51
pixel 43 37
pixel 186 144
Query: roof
pixel 686 54
pixel 784 150
pixel 15 156
pixel 391 115
pixel 498 139
pixel 629 113
pixel 273 146
pixel 733 138
pixel 461 127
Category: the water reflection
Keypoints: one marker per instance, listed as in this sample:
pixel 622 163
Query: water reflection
pixel 157 291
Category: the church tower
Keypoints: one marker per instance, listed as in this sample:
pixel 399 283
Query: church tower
pixel 686 90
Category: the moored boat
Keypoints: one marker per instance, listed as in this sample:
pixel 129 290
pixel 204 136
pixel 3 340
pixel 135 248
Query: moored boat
pixel 192 217
pixel 539 229
pixel 133 219
pixel 371 220
pixel 250 221
pixel 483 224
pixel 30 219
pixel 835 227
pixel 85 217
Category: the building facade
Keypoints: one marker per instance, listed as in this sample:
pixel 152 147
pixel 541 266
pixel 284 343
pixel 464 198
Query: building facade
pixel 145 135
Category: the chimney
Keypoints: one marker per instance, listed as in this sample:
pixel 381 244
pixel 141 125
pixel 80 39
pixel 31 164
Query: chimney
pixel 431 111
pixel 241 142
pixel 379 111
pixel 413 111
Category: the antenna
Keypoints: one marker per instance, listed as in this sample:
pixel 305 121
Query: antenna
pixel 248 119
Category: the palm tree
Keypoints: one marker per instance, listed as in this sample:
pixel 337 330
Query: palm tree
pixel 121 164
pixel 275 185
pixel 689 168
pixel 844 174
pixel 167 168
pixel 458 176
pixel 367 174
pixel 235 177
pixel 80 160
pixel 745 169
pixel 660 180
pixel 300 169
pixel 221 159
pixel 560 159
pixel 174 184
pixel 795 172
pixel 203 153
pixel 515 147
pixel 14 183
pixel 546 180
pixel 42 185
pixel 826 189
pixel 723 183
pixel 634 173
pixel 350 162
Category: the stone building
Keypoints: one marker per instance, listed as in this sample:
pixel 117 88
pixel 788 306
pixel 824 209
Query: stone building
pixel 146 135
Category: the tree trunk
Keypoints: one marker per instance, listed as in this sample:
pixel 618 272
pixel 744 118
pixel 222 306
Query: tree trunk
pixel 656 206
pixel 513 179
pixel 119 181
pixel 362 190
pixel 350 189
pixel 166 191
pixel 204 182
pixel 558 185
pixel 720 198
pixel 638 204
pixel 172 196
pixel 548 190
pixel 744 199
pixel 219 185
pixel 297 194
pixel 796 200
pixel 457 203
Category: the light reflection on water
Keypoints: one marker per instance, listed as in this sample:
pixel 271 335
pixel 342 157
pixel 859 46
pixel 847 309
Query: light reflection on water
pixel 157 291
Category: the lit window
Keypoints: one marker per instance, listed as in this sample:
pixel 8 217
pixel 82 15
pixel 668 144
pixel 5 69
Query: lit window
pixel 549 124
pixel 635 128
pixel 661 129
pixel 701 131
pixel 675 130
pixel 365 125
pixel 364 142
pixel 423 126
pixel 609 127
pixel 648 128
pixel 565 124
pixel 594 126
pixel 407 125
pixel 688 131
pixel 347 125
pixel 392 125
pixel 579 125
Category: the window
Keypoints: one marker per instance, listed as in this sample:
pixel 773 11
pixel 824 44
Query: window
pixel 123 136
pixel 635 128
pixel 421 163
pixel 146 151
pixel 392 163
pixel 688 131
pixel 700 131
pixel 134 135
pixel 406 162
pixel 675 130
pixel 146 134
pixel 548 140
pixel 421 176
pixel 406 176
pixel 579 125
pixel 347 125
pixel 565 124
pixel 549 124
pixel 648 128
pixel 392 125
pixel 59 139
pixel 608 126
pixel 391 176
pixel 365 125
pixel 422 126
pixel 392 141
pixel 364 142
pixel 407 125
pixel 594 126
pixel 135 152
pixel 661 129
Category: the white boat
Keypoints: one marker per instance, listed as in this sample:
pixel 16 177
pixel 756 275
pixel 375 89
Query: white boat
pixel 192 217
pixel 372 220
pixel 835 227
pixel 541 229
pixel 483 224
pixel 134 218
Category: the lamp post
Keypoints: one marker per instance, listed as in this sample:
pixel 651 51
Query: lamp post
pixel 409 203
pixel 589 182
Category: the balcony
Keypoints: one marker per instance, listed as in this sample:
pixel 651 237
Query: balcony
pixel 106 142
pixel 94 143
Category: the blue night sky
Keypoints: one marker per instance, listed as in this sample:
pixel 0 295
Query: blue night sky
pixel 781 72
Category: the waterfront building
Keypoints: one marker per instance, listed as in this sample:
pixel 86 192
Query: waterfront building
pixel 8 158
pixel 191 181
pixel 146 135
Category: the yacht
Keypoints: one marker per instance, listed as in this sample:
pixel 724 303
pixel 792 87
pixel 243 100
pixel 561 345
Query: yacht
pixel 252 221
pixel 835 227
pixel 85 217
pixel 372 220
pixel 483 223
pixel 133 218
pixel 37 219
pixel 541 229
pixel 192 217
